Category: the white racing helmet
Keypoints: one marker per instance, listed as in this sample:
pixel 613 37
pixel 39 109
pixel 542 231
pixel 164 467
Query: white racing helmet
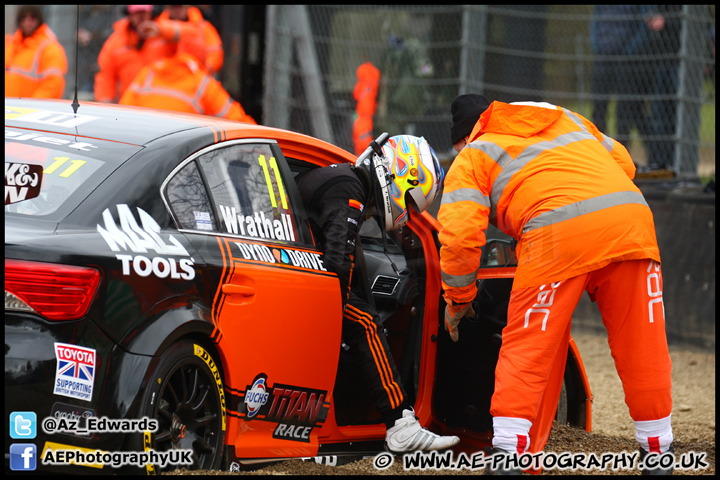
pixel 412 176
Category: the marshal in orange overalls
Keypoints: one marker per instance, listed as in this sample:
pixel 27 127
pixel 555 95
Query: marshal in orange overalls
pixel 365 94
pixel 205 45
pixel 548 177
pixel 34 66
pixel 182 84
pixel 124 53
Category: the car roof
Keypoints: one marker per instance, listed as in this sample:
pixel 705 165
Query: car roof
pixel 141 126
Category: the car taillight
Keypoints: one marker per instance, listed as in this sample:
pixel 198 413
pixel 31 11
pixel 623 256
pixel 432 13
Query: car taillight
pixel 57 292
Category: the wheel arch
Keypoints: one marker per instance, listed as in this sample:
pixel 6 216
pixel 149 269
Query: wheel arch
pixel 579 397
pixel 164 327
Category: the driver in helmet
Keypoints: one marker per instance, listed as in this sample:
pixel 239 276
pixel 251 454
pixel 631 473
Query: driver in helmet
pixel 337 199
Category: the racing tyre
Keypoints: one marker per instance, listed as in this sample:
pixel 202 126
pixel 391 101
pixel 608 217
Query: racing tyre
pixel 185 395
pixel 561 415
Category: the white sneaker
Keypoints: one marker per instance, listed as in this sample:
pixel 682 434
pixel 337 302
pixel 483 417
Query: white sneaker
pixel 408 436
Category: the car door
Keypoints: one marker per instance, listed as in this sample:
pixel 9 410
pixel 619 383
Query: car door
pixel 277 310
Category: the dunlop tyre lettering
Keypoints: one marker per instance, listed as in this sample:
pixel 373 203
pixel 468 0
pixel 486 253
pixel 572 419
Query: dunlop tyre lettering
pixel 185 394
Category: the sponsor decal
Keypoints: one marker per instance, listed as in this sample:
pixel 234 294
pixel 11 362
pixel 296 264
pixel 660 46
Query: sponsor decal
pixel 75 372
pixel 356 204
pixel 382 174
pixel 202 221
pixel 22 182
pixel 284 256
pixel 257 225
pixel 147 447
pixel 256 396
pixel 46 117
pixel 205 356
pixel 74 414
pixel 45 138
pixel 330 460
pixel 296 410
pixel 141 239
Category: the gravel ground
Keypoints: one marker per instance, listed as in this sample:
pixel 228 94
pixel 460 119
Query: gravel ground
pixel 612 428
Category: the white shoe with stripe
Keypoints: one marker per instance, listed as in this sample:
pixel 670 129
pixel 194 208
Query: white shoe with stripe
pixel 408 436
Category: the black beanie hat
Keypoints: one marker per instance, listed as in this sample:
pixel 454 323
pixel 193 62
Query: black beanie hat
pixel 466 110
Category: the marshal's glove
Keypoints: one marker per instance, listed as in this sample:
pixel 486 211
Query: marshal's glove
pixel 454 312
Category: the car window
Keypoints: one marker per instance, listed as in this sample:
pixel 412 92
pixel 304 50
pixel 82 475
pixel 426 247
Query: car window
pixel 40 179
pixel 189 200
pixel 248 192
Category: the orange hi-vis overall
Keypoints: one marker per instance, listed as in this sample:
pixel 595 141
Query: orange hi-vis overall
pixel 34 66
pixel 547 177
pixel 365 94
pixel 205 44
pixel 124 54
pixel 182 84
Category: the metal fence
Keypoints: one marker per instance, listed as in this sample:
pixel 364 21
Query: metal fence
pixel 644 74
pixel 649 85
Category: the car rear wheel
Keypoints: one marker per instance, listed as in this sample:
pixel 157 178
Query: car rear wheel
pixel 185 395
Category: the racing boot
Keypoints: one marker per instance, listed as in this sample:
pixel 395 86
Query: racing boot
pixel 659 470
pixel 501 467
pixel 408 436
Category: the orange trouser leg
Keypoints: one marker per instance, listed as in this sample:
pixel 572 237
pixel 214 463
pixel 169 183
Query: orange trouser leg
pixel 629 296
pixel 538 324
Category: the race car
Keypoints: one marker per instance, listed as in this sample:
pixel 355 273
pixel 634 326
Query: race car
pixel 164 294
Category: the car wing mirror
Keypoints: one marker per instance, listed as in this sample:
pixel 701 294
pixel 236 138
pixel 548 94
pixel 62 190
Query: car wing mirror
pixel 499 253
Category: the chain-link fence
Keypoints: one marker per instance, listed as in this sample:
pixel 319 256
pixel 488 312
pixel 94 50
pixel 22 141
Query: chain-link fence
pixel 644 74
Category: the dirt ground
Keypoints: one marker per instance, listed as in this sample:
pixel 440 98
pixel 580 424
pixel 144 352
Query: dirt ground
pixel 693 418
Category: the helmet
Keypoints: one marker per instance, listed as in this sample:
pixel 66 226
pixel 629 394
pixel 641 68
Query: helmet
pixel 413 177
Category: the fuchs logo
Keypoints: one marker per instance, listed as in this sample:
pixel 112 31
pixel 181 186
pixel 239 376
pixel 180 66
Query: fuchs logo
pixel 75 372
pixel 142 239
pixel 22 182
pixel 256 396
pixel 297 410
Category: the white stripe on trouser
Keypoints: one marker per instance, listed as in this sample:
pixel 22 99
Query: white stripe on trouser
pixel 660 429
pixel 511 434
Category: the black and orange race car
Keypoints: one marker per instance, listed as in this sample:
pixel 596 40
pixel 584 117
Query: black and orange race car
pixel 159 267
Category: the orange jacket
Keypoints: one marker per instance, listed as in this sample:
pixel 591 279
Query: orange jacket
pixel 181 83
pixel 205 45
pixel 123 55
pixel 550 179
pixel 34 66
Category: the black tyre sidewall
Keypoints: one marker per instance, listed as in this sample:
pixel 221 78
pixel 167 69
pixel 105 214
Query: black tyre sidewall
pixel 178 354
